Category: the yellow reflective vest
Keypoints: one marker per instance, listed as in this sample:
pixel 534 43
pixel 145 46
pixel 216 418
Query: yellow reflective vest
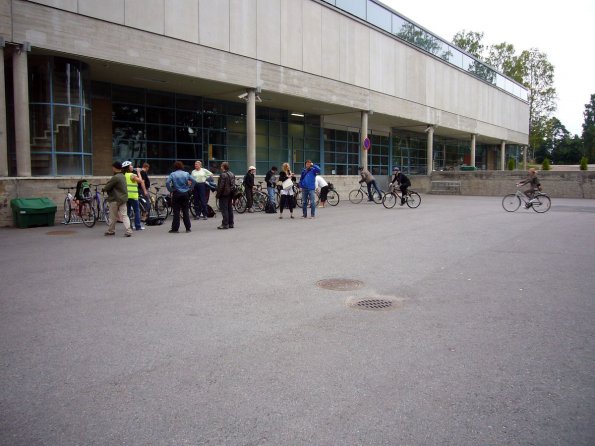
pixel 132 186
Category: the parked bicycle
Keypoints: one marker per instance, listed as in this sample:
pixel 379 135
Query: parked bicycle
pixel 160 202
pixel 357 195
pixel 100 205
pixel 412 198
pixel 83 211
pixel 332 197
pixel 540 202
pixel 259 199
pixel 297 192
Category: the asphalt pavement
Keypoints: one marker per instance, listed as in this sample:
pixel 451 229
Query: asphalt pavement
pixel 456 323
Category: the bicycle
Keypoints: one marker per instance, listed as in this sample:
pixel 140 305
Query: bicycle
pixel 357 195
pixel 297 192
pixel 332 197
pixel 263 187
pixel 412 198
pixel 160 202
pixel 540 202
pixel 100 205
pixel 82 209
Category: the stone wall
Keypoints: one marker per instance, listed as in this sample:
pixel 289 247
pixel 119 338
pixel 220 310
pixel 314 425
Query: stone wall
pixel 488 183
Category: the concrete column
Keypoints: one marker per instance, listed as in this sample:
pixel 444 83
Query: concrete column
pixel 3 144
pixel 430 132
pixel 21 113
pixel 503 155
pixel 364 135
pixel 251 128
pixel 473 137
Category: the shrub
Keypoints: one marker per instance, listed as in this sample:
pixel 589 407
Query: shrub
pixel 584 162
pixel 511 164
pixel 546 164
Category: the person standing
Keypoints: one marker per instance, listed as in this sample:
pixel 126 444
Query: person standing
pixel 144 175
pixel 403 182
pixel 271 179
pixel 249 188
pixel 179 183
pixel 308 185
pixel 133 182
pixel 370 181
pixel 324 188
pixel 225 188
pixel 287 196
pixel 117 197
pixel 200 175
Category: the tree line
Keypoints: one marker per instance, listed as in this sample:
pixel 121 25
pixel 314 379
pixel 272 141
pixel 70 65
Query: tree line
pixel 548 138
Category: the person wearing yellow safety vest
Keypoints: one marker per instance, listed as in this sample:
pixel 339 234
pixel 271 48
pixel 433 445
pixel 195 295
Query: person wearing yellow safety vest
pixel 132 184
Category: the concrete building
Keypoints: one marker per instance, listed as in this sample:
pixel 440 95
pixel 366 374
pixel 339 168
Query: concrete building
pixel 249 81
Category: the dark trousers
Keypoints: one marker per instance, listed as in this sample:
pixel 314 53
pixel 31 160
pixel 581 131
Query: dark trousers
pixel 324 193
pixel 249 198
pixel 179 202
pixel 226 207
pixel 287 202
pixel 200 199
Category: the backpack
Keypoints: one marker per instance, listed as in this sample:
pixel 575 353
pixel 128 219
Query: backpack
pixel 83 190
pixel 210 211
pixel 154 221
pixel 270 207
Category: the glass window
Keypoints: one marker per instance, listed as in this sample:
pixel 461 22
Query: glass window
pixel 160 115
pixel 67 128
pixel 355 7
pixel 39 79
pixel 379 16
pixel 66 82
pixel 128 94
pixel 160 99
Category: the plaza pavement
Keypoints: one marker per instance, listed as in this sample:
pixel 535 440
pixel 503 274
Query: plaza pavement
pixel 227 338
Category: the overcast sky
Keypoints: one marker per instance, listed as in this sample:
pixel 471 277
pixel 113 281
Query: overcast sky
pixel 561 30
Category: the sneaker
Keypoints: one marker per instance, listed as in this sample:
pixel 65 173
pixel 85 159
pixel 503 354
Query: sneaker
pixel 291 216
pixel 171 231
pixel 109 233
pixel 528 205
pixel 142 228
pixel 222 227
pixel 230 226
pixel 280 216
pixel 128 234
pixel 188 230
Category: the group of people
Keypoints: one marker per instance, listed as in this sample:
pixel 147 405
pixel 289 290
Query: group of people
pixel 126 188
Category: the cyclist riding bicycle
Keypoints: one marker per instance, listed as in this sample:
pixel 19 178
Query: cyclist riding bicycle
pixel 534 186
pixel 402 181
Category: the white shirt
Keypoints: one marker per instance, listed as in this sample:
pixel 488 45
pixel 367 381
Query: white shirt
pixel 320 182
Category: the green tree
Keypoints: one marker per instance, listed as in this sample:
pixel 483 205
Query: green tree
pixel 558 144
pixel 545 165
pixel 589 129
pixel 470 41
pixel 584 163
pixel 511 164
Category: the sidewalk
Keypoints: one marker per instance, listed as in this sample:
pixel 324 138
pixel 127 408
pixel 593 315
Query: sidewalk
pixel 484 333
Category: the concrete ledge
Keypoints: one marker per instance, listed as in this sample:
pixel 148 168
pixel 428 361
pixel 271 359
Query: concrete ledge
pixel 557 184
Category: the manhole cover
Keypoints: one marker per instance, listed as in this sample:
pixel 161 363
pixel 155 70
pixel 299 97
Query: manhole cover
pixel 373 304
pixel 340 284
pixel 61 232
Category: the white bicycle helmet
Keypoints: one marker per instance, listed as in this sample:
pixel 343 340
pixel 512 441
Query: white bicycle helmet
pixel 126 164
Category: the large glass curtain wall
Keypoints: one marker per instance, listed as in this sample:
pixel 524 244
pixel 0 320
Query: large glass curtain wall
pixel 409 153
pixel 60 117
pixel 161 128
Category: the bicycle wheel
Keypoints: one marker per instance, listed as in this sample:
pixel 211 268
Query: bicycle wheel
pixel 240 205
pixel 105 212
pixel 298 198
pixel 356 196
pixel 332 198
pixel 161 207
pixel 260 201
pixel 377 197
pixel 511 202
pixel 67 210
pixel 542 204
pixel 87 214
pixel 96 205
pixel 390 200
pixel 413 200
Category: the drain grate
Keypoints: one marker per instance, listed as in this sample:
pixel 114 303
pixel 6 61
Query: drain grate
pixel 60 232
pixel 373 304
pixel 340 284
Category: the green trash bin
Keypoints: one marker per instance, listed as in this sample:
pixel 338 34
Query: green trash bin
pixel 27 212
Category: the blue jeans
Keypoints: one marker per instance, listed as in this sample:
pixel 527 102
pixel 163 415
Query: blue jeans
pixel 308 195
pixel 370 184
pixel 133 205
pixel 271 192
pixel 200 199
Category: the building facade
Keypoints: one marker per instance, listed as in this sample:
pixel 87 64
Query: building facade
pixel 344 83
